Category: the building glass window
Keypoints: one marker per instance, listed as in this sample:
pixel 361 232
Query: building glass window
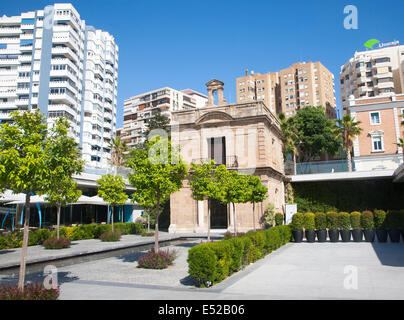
pixel 377 143
pixel 374 118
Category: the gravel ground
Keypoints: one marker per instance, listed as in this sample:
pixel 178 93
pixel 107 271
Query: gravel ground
pixel 123 269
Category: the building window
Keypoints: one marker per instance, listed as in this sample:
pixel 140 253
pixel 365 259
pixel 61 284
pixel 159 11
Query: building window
pixel 377 143
pixel 375 118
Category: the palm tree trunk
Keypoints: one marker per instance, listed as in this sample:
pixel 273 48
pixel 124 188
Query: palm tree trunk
pixel 348 157
pixel 58 221
pixel 21 278
pixel 294 164
pixel 148 220
pixel 156 227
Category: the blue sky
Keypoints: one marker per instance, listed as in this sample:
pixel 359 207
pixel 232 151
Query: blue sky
pixel 183 44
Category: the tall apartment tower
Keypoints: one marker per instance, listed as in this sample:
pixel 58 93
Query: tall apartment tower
pixel 139 109
pixel 290 89
pixel 373 73
pixel 51 61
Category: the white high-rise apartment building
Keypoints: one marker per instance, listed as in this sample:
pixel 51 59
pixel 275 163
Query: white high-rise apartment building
pixel 50 59
pixel 373 73
pixel 139 109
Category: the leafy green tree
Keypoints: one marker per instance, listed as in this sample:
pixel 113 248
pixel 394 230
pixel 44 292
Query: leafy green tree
pixel 256 192
pixel 203 184
pixel 233 188
pixel 26 151
pixel 159 121
pixel 317 133
pixel 158 172
pixel 64 161
pixel 112 190
pixel 290 138
pixel 348 130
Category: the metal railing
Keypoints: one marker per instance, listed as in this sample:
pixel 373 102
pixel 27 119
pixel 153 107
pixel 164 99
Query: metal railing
pixel 229 161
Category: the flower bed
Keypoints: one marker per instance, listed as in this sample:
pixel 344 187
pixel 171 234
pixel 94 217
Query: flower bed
pixel 54 243
pixel 34 291
pixel 210 263
pixel 159 260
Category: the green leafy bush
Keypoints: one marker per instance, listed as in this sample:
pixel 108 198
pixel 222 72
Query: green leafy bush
pixel 111 236
pixel 202 262
pixel 54 243
pixel 147 234
pixel 380 219
pixel 309 221
pixel 321 221
pixel 297 222
pixel 344 221
pixel 393 219
pixel 332 220
pixel 210 263
pixel 278 219
pixel 285 234
pixel 356 220
pixel 35 291
pixel 237 245
pixel 367 222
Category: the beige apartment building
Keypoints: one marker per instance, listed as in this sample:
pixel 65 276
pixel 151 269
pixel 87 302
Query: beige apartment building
pixel 140 108
pixel 373 73
pixel 290 89
pixel 245 137
pixel 381 121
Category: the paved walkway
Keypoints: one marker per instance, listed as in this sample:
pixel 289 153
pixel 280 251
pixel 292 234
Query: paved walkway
pixel 295 271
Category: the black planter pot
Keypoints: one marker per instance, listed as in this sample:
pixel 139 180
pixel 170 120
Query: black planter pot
pixel 321 235
pixel 345 235
pixel 357 235
pixel 298 235
pixel 369 235
pixel 333 235
pixel 381 235
pixel 394 235
pixel 310 235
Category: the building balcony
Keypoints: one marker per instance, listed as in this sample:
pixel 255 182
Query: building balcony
pixel 10 31
pixel 228 161
pixel 8 105
pixel 359 164
pixel 67 52
pixel 383 75
pixel 385 85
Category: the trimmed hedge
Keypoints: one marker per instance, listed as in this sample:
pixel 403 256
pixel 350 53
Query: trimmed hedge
pixel 210 263
pixel 83 232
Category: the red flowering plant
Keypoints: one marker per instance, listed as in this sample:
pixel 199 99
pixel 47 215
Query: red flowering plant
pixel 35 291
pixel 160 260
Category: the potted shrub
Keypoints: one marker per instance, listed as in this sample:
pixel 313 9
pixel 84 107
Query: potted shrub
pixel 297 227
pixel 368 225
pixel 278 219
pixel 309 226
pixel 357 233
pixel 380 225
pixel 393 225
pixel 321 226
pixel 344 226
pixel 332 224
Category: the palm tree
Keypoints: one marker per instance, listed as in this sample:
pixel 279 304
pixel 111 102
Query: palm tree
pixel 349 129
pixel 118 149
pixel 290 138
pixel 400 144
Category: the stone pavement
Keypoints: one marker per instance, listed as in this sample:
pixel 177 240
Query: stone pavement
pixel 295 271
